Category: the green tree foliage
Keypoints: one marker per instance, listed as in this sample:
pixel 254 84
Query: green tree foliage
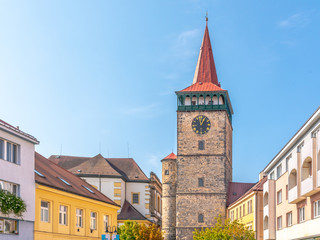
pixel 133 231
pixel 225 230
pixel 10 203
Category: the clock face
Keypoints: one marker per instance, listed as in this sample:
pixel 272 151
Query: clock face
pixel 201 124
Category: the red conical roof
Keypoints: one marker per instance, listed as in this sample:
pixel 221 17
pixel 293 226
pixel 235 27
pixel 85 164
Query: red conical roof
pixel 205 77
pixel 206 69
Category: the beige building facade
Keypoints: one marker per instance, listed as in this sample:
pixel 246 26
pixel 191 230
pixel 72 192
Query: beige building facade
pixel 291 196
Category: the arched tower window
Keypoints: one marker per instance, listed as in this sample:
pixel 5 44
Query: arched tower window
pixel 201 100
pixel 215 100
pixel 194 100
pixel 221 100
pixel 265 223
pixel 208 100
pixel 293 179
pixel 265 199
pixel 187 101
pixel 306 168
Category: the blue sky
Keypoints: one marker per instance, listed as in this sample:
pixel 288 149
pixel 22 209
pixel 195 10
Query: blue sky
pixel 100 76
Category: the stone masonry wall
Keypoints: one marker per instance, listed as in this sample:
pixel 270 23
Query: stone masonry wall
pixel 169 199
pixel 213 164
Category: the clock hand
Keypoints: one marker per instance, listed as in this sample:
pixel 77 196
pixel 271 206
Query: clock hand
pixel 202 121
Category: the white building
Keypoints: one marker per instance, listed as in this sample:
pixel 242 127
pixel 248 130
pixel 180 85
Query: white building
pixel 17 176
pixel 292 192
pixel 123 181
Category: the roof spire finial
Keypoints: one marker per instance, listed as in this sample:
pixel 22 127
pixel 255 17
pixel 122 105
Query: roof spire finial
pixel 207 18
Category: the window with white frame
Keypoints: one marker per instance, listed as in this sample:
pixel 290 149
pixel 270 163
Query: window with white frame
pixel 93 220
pixel 232 215
pixel 10 187
pixel 9 151
pixel 8 226
pixel 289 219
pixel 44 211
pixel 79 217
pixel 106 221
pixel 250 206
pixel 301 215
pixel 135 198
pixel 316 209
pixel 279 223
pixel 63 211
pixel 279 171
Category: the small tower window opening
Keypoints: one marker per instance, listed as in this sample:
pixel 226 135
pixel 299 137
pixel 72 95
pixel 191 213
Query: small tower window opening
pixel 221 100
pixel 208 100
pixel 200 218
pixel 166 172
pixel 194 100
pixel 215 100
pixel 200 182
pixel 187 101
pixel 201 145
pixel 201 100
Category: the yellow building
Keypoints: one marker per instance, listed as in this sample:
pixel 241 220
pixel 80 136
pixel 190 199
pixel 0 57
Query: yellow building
pixel 66 207
pixel 245 204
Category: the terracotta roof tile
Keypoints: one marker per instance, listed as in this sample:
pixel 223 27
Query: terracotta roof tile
pixel 202 87
pixel 128 212
pixel 171 156
pixel 53 174
pixel 126 168
pixel 236 190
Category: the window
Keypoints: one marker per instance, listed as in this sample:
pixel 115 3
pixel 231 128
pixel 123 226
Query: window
pixel 279 171
pixel 240 212
pixel 166 172
pixel 8 226
pixel 237 213
pixel 63 215
pixel 10 187
pixel 272 176
pixel 286 192
pixel 200 218
pixel 79 216
pixel 64 181
pixel 301 215
pixel 106 222
pixel 249 226
pixel 194 103
pixel 279 223
pixel 279 197
pixel 316 209
pixel 287 163
pixel 200 182
pixel 135 198
pixel 289 219
pixel 232 215
pixel 12 152
pixel 93 221
pixel 44 211
pixel 1 149
pixel 244 209
pixel 87 189
pixel 250 206
pixel 201 145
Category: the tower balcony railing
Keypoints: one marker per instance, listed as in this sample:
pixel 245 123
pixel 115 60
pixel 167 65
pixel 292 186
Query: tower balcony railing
pixel 201 107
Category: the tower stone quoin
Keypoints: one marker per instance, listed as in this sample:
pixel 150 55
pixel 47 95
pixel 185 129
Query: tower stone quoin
pixel 204 153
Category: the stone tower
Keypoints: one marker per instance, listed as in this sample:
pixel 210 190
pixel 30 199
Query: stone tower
pixel 169 176
pixel 204 151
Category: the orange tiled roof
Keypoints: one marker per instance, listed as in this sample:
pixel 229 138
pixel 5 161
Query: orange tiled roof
pixel 171 156
pixel 202 87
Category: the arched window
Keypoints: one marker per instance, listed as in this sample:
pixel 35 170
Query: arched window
pixel 306 168
pixel 187 101
pixel 265 223
pixel 293 179
pixel 208 100
pixel 194 100
pixel 181 103
pixel 221 100
pixel 200 218
pixel 265 199
pixel 158 204
pixel 215 100
pixel 201 100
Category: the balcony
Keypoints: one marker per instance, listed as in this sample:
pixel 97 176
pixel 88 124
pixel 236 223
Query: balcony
pixel 266 234
pixel 293 195
pixel 307 186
